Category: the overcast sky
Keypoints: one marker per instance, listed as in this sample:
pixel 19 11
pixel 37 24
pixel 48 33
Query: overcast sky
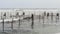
pixel 29 3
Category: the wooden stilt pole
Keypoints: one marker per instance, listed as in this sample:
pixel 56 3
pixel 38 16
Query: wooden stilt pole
pixel 39 17
pixel 3 25
pixel 12 24
pixel 43 19
pixel 56 19
pixel 19 22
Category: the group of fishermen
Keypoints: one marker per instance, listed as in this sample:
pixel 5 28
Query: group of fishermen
pixel 45 14
pixel 32 18
pixel 48 14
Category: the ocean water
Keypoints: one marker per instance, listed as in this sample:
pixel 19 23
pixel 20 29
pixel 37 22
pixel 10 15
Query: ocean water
pixel 48 27
pixel 41 26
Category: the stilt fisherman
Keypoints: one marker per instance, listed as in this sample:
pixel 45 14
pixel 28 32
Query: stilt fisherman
pixel 51 16
pixel 44 13
pixel 32 24
pixel 47 15
pixel 4 15
pixel 57 15
pixel 23 13
pixel 17 14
